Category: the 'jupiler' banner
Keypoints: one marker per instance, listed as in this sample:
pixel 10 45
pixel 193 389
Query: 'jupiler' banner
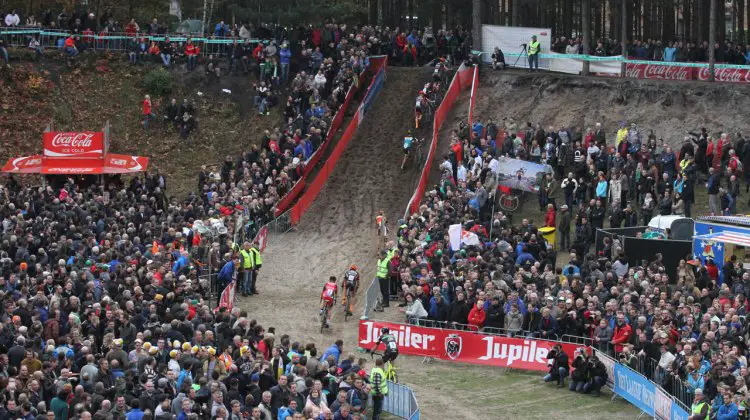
pixel 464 346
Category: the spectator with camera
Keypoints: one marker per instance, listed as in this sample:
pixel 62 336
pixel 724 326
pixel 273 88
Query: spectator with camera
pixel 558 363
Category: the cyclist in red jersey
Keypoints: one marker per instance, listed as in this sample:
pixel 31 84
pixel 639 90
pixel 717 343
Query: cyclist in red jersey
pixel 328 296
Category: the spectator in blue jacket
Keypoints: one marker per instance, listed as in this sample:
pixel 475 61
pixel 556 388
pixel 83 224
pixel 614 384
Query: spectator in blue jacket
pixel 727 410
pixel 180 264
pixel 285 56
pixel 334 350
pixel 515 299
pixel 524 257
pixel 226 275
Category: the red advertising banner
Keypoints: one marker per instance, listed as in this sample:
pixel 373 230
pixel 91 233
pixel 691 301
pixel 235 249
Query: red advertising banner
pixel 724 75
pixel 464 346
pixel 677 72
pixel 74 144
pixel 655 71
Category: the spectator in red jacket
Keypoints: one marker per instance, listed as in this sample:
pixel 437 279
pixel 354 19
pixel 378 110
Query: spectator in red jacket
pixel 191 51
pixel 477 315
pixel 550 216
pixel 622 332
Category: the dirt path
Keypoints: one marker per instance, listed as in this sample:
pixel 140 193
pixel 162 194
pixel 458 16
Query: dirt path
pixel 338 229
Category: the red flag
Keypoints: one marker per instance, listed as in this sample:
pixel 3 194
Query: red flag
pixel 227 298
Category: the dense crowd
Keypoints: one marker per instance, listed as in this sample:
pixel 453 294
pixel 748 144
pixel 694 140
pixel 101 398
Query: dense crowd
pixel 686 333
pixel 104 315
pixel 657 50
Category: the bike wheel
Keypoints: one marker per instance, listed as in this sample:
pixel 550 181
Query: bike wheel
pixel 323 317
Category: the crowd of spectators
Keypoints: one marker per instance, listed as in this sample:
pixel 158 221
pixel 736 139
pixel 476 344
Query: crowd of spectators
pixel 686 333
pixel 657 50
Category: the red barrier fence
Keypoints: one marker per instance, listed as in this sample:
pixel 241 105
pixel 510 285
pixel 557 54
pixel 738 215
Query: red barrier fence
pixel 338 119
pixel 290 196
pixel 464 346
pixel 461 80
pixel 377 64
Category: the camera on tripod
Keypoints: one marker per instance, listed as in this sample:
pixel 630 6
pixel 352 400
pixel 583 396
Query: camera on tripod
pixel 523 45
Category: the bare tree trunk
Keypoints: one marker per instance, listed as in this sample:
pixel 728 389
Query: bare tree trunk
pixel 586 23
pixel 380 12
pixel 741 21
pixel 514 11
pixel 711 39
pixel 624 40
pixel 476 18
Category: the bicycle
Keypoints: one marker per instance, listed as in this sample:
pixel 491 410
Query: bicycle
pixel 348 304
pixel 390 370
pixel 324 317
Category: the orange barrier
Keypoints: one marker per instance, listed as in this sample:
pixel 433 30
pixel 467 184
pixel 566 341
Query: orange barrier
pixel 461 80
pixel 379 65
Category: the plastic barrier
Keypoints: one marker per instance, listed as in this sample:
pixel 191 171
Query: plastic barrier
pixel 379 64
pixel 401 402
pixel 461 80
pixel 464 346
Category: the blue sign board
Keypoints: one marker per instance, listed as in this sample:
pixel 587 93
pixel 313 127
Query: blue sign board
pixel 635 388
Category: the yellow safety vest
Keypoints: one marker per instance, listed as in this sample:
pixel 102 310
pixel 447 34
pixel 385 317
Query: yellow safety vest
pixel 697 407
pixel 383 383
pixel 258 259
pixel 622 134
pixel 534 47
pixel 247 259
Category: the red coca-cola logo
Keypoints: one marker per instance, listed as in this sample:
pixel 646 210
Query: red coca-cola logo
pixel 72 139
pixel 726 75
pixel 654 71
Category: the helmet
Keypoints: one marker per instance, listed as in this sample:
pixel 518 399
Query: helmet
pixel 353 267
pixel 385 330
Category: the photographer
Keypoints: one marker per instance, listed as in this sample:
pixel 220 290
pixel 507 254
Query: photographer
pixel 597 376
pixel 627 357
pixel 534 49
pixel 558 366
pixel 579 375
pixel 498 59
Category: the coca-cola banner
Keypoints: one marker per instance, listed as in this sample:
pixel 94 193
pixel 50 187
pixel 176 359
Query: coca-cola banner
pixel 655 71
pixel 464 346
pixel 74 144
pixel 725 75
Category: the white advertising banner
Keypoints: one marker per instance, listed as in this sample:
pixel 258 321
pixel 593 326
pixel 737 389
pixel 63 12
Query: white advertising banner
pixel 510 40
pixel 560 63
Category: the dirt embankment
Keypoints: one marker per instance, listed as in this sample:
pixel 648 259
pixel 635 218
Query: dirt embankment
pixel 670 109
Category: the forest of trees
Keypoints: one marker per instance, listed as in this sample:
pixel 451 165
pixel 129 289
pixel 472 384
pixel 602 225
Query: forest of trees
pixel 644 19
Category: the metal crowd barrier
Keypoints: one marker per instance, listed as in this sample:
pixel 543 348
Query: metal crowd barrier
pixel 114 41
pixel 372 298
pixel 401 402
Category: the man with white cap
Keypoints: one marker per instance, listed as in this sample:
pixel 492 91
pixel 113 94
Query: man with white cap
pixel 699 409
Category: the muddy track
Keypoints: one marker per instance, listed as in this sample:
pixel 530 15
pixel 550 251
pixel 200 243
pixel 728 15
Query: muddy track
pixel 338 229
